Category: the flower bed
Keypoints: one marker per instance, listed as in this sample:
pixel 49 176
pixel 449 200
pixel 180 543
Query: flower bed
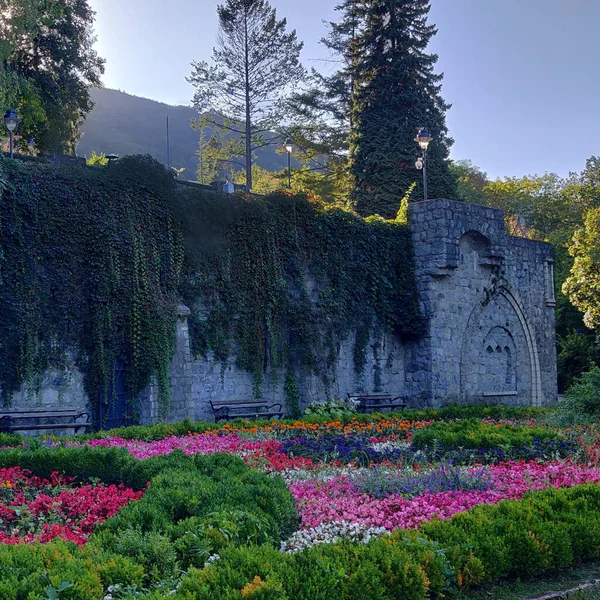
pixel 34 509
pixel 295 503
pixel 340 499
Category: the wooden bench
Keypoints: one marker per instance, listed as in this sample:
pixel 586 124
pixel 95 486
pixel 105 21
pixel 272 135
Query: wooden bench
pixel 29 420
pixel 256 409
pixel 368 403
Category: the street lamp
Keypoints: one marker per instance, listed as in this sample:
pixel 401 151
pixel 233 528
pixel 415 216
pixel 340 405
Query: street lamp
pixel 11 120
pixel 423 138
pixel 289 147
pixel 31 146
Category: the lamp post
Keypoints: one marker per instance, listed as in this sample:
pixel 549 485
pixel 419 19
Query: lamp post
pixel 289 147
pixel 11 120
pixel 31 146
pixel 423 138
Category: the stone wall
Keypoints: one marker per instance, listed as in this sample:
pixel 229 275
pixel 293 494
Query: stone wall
pixel 489 299
pixel 489 303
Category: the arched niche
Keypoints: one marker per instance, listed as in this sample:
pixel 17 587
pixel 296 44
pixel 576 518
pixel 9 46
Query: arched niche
pixel 473 247
pixel 474 250
pixel 499 359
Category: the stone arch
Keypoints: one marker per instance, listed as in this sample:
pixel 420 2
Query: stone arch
pixel 499 356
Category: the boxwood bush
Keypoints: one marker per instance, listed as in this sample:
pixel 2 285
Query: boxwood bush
pixel 193 508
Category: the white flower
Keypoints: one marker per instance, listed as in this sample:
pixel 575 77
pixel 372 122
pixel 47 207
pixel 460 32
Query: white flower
pixel 329 533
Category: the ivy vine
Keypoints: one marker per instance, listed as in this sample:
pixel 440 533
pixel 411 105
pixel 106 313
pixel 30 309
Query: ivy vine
pixel 93 261
pixel 90 260
pixel 281 281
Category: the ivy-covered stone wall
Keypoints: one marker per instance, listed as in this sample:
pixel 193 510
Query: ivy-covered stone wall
pixel 198 295
pixel 95 262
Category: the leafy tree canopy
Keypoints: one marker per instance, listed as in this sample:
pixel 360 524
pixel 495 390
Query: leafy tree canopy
pixel 47 64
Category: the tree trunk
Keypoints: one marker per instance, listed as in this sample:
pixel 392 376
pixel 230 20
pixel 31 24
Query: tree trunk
pixel 248 123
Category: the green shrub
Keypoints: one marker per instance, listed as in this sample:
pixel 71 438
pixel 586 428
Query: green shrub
pixel 334 410
pixel 472 433
pixel 194 507
pixel 582 405
pixel 509 540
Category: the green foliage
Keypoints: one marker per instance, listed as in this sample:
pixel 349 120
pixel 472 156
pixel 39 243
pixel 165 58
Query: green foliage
pixel 163 430
pixel 333 410
pixel 292 395
pixel 577 353
pixel 287 280
pixel 255 62
pixel 470 182
pixel 546 531
pixel 89 259
pixel 582 405
pixel 583 285
pixel 395 91
pixel 50 56
pixel 97 160
pixel 472 433
pixel 192 509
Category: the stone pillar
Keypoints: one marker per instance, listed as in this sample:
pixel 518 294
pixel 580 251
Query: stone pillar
pixel 180 380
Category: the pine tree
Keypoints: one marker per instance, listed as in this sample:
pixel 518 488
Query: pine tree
pixel 395 91
pixel 255 63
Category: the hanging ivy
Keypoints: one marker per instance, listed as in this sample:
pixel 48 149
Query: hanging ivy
pixel 93 260
pixel 89 263
pixel 282 281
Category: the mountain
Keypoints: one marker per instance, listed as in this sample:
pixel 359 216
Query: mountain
pixel 123 124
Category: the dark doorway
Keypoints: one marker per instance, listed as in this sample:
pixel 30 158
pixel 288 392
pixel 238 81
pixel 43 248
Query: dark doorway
pixel 114 409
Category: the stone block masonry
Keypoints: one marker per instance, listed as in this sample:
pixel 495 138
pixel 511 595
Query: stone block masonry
pixel 488 299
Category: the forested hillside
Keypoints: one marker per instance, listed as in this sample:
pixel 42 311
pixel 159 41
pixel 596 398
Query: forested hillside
pixel 123 124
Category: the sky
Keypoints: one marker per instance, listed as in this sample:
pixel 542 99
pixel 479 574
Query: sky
pixel 522 75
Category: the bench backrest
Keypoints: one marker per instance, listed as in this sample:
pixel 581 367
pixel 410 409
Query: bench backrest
pixel 234 404
pixel 42 413
pixel 369 396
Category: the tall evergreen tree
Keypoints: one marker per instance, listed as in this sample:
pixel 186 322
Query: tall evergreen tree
pixel 395 91
pixel 255 62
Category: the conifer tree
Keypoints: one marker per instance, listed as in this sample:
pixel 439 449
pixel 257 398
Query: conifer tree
pixel 255 62
pixel 395 91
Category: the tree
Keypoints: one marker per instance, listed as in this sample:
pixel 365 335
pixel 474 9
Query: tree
pixel 470 182
pixel 49 60
pixel 583 285
pixel 320 113
pixel 216 147
pixel 255 63
pixel 395 91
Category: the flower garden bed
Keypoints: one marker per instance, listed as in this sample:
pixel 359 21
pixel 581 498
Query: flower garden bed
pixel 378 507
pixel 34 509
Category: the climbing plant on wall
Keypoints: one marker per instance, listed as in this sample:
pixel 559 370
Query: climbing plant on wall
pixel 280 280
pixel 90 259
pixel 94 259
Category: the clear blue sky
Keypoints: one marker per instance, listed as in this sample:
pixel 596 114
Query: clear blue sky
pixel 522 75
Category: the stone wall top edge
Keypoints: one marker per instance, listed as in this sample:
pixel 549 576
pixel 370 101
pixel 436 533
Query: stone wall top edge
pixel 521 241
pixel 423 204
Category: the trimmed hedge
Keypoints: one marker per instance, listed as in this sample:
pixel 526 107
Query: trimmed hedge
pixel 472 433
pixel 546 531
pixel 195 507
